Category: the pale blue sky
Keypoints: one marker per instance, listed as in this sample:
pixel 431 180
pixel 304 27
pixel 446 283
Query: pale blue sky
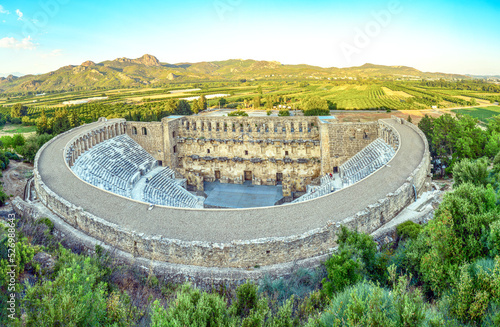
pixel 446 36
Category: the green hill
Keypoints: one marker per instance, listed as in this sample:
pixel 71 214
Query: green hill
pixel 148 70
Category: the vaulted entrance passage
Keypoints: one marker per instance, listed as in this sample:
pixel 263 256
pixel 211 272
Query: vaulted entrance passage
pixel 248 175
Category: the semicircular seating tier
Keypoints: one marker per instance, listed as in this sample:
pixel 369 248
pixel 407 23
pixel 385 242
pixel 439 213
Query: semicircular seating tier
pixel 363 164
pixel 118 164
pixel 164 189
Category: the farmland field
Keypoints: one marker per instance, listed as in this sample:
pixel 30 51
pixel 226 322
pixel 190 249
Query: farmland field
pixel 481 113
pixel 151 103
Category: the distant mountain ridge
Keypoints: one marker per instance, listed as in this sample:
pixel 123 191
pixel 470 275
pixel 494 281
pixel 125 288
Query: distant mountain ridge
pixel 16 74
pixel 148 70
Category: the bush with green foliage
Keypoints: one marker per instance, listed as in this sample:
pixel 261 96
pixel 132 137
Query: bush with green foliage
pixel 23 250
pixel 77 296
pixel 4 160
pixel 493 239
pixel 475 295
pixel 33 144
pixel 315 106
pixel 299 284
pixel 192 307
pixel 496 160
pixel 366 304
pixel 246 299
pixel 471 171
pixel 408 230
pixel 3 196
pixel 455 236
pixel 11 156
pixel 14 258
pixel 284 112
pixel 238 113
pixel 356 258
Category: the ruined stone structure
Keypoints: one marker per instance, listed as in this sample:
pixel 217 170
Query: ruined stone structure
pixel 227 244
pixel 291 151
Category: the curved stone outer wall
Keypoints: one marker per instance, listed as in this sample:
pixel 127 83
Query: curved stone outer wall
pixel 82 143
pixel 243 253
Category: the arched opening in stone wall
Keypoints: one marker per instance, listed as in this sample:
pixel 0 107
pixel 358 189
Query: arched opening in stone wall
pixel 144 131
pixel 134 130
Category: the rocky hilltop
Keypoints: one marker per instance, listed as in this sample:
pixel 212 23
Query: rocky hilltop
pixel 147 60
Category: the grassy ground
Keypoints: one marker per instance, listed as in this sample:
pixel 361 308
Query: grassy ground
pixel 481 113
pixel 17 129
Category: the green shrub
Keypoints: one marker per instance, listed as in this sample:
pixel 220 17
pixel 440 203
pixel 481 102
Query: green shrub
pixel 317 112
pixel 493 239
pixel 24 252
pixel 192 308
pixel 300 283
pixel 363 304
pixel 496 160
pixel 284 112
pixel 236 113
pixel 475 291
pixel 342 272
pixel 4 160
pixel 77 296
pixel 471 171
pixel 33 144
pixel 408 230
pixel 283 318
pixel 313 304
pixel 409 304
pixel 47 222
pixel 456 235
pixel 11 156
pixel 246 299
pixel 74 298
pixel 3 196
pixel 366 304
pixel 356 258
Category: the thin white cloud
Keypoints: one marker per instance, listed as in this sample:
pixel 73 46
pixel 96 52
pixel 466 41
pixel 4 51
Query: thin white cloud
pixel 13 43
pixel 19 14
pixel 3 10
pixel 53 53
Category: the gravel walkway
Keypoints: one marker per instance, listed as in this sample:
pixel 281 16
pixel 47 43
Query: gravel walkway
pixel 225 225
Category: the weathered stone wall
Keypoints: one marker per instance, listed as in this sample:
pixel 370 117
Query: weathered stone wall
pixel 292 151
pixel 388 134
pixel 341 141
pixel 284 128
pixel 264 150
pixel 148 135
pixel 206 277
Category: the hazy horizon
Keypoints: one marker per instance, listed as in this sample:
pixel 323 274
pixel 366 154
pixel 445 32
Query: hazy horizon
pixel 456 37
